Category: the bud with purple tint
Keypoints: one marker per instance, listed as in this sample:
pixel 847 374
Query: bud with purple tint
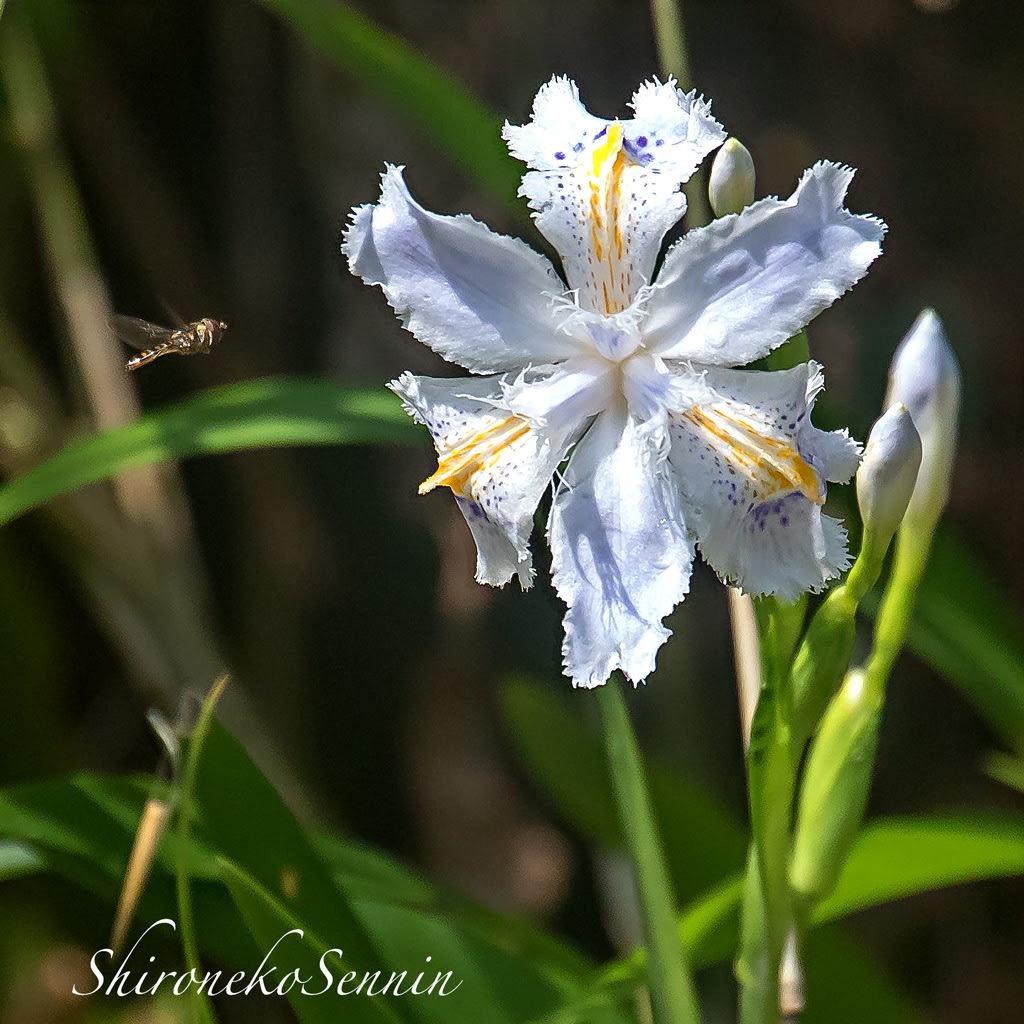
pixel 925 377
pixel 887 475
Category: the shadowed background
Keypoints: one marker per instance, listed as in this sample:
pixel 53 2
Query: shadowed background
pixel 215 156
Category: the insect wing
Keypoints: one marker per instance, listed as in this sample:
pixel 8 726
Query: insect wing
pixel 138 333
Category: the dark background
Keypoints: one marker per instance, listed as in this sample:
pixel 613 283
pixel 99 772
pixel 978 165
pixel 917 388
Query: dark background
pixel 217 157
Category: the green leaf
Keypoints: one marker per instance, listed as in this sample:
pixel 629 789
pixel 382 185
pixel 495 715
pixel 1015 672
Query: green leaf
pixel 64 818
pixel 18 860
pixel 81 828
pixel 707 928
pixel 299 949
pixel 898 857
pixel 367 911
pixel 1005 768
pixel 242 817
pixel 87 821
pixel 370 878
pixel 703 844
pixel 967 630
pixel 368 874
pixel 843 985
pixel 892 858
pixel 489 982
pixel 420 93
pixel 271 412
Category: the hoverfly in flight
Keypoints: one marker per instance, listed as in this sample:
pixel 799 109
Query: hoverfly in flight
pixel 188 340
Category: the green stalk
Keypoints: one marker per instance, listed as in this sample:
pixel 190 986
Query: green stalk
pixel 893 619
pixel 672 992
pixel 771 773
pixel 671 40
pixel 202 1012
pixel 673 59
pixel 824 655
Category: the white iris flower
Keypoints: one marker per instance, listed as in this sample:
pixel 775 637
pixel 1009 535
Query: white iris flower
pixel 627 374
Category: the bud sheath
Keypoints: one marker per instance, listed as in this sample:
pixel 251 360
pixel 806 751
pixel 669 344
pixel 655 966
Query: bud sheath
pixel 835 788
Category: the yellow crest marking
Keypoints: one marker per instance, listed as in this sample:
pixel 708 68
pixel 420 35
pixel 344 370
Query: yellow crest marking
pixel 773 466
pixel 607 161
pixel 457 466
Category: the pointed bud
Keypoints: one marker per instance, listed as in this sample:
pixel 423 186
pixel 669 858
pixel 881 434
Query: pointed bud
pixel 925 377
pixel 835 788
pixel 887 474
pixel 885 482
pixel 731 185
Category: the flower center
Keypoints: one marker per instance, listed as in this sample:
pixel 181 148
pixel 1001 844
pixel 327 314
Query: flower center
pixel 773 465
pixel 615 341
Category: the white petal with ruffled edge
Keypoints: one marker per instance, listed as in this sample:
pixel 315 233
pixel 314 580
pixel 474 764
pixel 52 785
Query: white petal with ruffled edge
pixel 752 467
pixel 496 463
pixel 621 554
pixel 835 454
pixel 785 547
pixel 480 299
pixel 731 292
pixel 605 192
pixel 561 398
pixel 671 448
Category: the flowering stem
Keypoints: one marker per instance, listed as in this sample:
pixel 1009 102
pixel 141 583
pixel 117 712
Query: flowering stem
pixel 673 59
pixel 671 39
pixel 893 620
pixel 771 773
pixel 672 992
pixel 824 654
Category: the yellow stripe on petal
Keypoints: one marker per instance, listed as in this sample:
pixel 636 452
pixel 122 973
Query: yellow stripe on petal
pixel 773 465
pixel 457 466
pixel 609 279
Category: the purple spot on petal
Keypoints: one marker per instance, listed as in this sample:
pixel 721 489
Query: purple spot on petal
pixel 470 507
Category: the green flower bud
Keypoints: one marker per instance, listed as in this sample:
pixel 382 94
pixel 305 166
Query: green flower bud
pixel 887 474
pixel 835 787
pixel 822 658
pixel 925 377
pixel 731 185
pixel 885 482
